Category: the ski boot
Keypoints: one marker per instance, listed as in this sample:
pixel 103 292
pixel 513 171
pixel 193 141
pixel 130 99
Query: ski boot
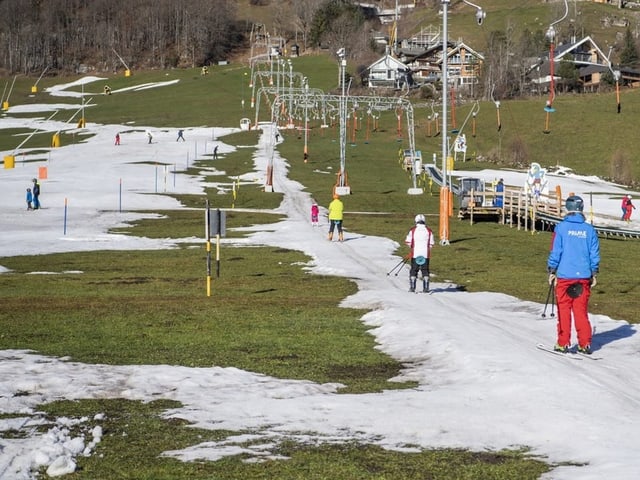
pixel 560 348
pixel 425 285
pixel 586 350
pixel 412 284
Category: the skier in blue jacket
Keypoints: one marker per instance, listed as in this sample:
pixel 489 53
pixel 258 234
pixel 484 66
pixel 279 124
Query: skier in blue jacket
pixel 573 264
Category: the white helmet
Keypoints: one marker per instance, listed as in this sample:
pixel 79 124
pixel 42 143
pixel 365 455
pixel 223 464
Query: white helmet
pixel 420 218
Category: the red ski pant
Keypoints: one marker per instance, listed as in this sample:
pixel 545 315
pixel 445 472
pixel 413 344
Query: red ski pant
pixel 577 308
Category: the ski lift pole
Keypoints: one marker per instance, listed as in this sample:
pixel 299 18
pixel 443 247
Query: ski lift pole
pixel 497 104
pixel 616 77
pixel 551 36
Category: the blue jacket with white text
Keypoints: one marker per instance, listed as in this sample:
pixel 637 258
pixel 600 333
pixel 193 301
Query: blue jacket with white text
pixel 575 250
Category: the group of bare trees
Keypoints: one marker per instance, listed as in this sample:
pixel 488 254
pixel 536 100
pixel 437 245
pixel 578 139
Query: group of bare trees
pixel 63 35
pixel 79 35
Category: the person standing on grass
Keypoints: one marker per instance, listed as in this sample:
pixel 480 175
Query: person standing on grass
pixel 336 210
pixel 215 152
pixel 573 263
pixel 420 240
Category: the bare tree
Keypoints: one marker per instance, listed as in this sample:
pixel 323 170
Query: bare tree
pixel 304 11
pixel 63 34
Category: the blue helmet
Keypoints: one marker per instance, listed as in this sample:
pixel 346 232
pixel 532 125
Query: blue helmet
pixel 574 204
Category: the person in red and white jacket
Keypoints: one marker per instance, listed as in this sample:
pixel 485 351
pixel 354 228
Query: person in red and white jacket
pixel 420 240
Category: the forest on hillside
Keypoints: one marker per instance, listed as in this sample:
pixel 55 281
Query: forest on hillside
pixel 72 35
pixel 76 36
pixel 80 36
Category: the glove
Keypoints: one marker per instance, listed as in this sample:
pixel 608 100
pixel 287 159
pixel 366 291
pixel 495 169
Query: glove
pixel 593 282
pixel 552 278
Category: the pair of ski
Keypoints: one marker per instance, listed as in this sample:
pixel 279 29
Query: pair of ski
pixel 572 354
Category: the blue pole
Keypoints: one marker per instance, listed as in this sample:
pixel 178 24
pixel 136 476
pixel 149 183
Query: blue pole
pixel 65 216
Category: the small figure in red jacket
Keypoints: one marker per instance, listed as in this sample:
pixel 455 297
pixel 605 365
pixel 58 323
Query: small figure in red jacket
pixel 315 211
pixel 628 208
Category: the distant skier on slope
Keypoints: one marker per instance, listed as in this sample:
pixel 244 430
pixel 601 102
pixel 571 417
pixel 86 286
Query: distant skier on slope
pixel 573 264
pixel 315 212
pixel 420 240
pixel 628 208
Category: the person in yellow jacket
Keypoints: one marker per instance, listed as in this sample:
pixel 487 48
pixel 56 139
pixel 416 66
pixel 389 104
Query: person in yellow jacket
pixel 336 209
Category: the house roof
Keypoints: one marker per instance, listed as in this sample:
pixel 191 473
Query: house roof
pixel 462 46
pixel 575 52
pixel 387 63
pixel 434 52
pixel 574 48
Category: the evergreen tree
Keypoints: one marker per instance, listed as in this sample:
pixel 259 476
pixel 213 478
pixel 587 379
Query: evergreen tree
pixel 629 55
pixel 335 23
pixel 568 73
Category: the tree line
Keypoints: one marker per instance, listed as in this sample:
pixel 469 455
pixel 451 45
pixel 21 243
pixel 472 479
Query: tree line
pixel 64 35
pixel 79 35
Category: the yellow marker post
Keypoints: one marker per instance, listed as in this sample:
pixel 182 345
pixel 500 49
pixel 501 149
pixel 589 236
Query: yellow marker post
pixel 9 161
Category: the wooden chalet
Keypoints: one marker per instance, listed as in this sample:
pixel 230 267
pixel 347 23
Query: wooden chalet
pixel 463 70
pixel 587 57
pixel 388 72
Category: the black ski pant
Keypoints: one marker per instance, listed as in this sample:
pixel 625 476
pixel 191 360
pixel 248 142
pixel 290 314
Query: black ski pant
pixel 415 268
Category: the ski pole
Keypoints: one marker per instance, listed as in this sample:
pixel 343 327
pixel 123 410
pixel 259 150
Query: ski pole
pixel 401 266
pixel 546 303
pixel 398 266
pixel 401 262
pixel 553 301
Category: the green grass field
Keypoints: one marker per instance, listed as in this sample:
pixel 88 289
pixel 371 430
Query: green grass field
pixel 138 307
